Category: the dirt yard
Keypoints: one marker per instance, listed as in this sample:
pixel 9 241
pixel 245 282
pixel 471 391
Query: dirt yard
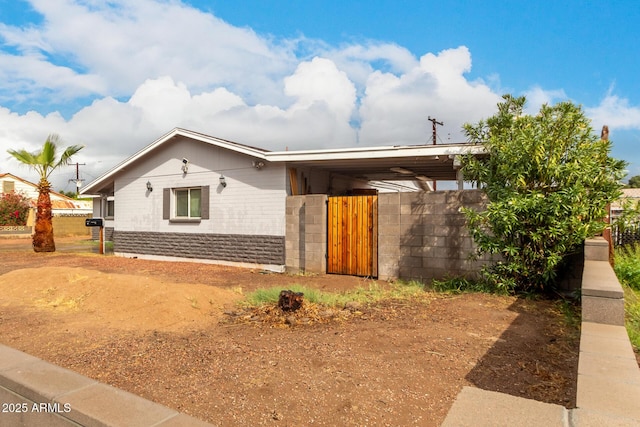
pixel 173 333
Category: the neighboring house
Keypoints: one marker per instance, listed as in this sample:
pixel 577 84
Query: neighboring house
pixel 191 195
pixel 628 195
pixel 60 204
pixel 625 231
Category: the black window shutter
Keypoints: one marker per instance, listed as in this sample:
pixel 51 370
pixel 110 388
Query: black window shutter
pixel 166 203
pixel 204 202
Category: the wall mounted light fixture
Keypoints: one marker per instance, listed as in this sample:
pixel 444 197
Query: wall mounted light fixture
pixel 149 186
pixel 185 165
pixel 257 164
pixel 223 182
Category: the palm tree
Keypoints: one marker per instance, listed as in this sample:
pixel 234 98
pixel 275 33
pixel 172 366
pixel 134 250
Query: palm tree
pixel 44 162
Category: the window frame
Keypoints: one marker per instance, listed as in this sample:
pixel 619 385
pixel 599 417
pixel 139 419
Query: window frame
pixel 170 204
pixel 8 186
pixel 110 202
pixel 189 200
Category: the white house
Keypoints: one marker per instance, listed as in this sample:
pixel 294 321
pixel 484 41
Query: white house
pixel 190 195
pixel 61 204
pixel 629 195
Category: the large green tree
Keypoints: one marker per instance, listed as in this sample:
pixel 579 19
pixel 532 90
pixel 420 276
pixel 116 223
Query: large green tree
pixel 44 162
pixel 548 179
pixel 634 182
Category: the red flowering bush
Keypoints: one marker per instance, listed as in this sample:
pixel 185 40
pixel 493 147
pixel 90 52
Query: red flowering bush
pixel 14 209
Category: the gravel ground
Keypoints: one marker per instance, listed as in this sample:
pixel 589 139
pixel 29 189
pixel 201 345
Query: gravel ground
pixel 173 333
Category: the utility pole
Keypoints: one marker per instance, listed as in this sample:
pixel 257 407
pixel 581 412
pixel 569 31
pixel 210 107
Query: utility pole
pixel 78 181
pixel 435 122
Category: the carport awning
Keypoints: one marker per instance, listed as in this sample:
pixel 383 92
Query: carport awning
pixel 396 163
pixel 385 163
pixel 392 169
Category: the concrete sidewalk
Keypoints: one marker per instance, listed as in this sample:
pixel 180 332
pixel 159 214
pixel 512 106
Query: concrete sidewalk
pixel 482 408
pixel 36 393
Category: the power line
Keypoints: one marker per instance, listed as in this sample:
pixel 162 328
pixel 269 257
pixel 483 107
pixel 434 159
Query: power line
pixel 78 181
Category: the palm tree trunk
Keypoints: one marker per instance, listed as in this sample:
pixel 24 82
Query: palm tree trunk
pixel 43 235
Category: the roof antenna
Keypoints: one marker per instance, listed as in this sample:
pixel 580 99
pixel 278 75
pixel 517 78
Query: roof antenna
pixel 435 122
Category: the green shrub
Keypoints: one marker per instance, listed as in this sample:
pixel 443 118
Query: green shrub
pixel 627 265
pixel 547 178
pixel 632 306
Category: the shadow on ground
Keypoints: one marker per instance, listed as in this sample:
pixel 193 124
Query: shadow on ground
pixel 510 366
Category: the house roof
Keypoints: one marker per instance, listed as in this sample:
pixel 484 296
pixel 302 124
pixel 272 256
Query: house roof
pixel 103 181
pixel 17 178
pixel 31 184
pixel 631 193
pixel 397 162
pixel 59 201
pixel 628 194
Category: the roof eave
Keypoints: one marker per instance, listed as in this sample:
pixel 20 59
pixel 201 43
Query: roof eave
pixel 374 152
pixel 103 180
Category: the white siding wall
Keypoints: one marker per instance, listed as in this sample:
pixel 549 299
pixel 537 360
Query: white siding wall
pixel 252 203
pixel 99 211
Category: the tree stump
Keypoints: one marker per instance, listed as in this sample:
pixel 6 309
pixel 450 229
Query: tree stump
pixel 290 301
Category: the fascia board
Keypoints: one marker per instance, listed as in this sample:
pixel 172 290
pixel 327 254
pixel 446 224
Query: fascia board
pixel 374 152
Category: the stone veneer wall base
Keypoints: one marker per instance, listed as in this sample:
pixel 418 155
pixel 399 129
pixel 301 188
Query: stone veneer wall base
pixel 250 249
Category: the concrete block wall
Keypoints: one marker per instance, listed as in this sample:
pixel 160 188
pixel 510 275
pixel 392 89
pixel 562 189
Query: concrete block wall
pixel 420 235
pixel 389 250
pixel 608 389
pixel 315 231
pixel 602 294
pixel 423 235
pixel 294 239
pixel 306 233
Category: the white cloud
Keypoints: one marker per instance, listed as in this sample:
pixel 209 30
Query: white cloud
pixel 395 108
pixel 127 42
pixel 537 97
pixel 321 81
pixel 359 61
pixel 153 65
pixel 615 112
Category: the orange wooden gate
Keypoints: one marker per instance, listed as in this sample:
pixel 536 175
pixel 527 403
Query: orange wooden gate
pixel 352 235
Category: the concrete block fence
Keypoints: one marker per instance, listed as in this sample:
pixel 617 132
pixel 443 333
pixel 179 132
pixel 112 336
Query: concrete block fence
pixel 421 235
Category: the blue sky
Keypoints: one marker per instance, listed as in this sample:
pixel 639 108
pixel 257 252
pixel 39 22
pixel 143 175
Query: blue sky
pixel 581 46
pixel 315 74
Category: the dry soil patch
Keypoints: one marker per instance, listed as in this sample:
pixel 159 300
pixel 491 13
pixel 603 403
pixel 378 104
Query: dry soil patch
pixel 90 298
pixel 155 329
